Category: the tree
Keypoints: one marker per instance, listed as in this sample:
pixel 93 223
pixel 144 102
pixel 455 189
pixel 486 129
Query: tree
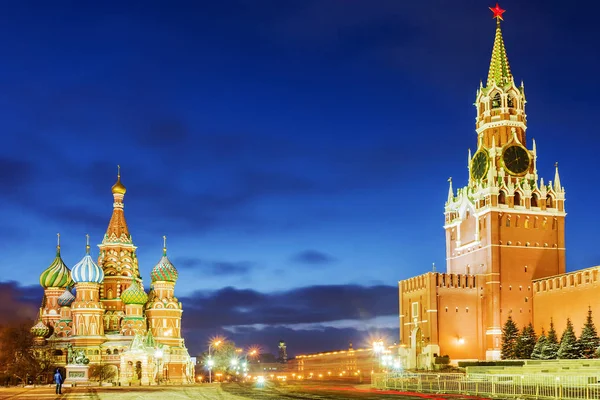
pixel 550 352
pixel 569 348
pixel 223 355
pixel 538 349
pixel 20 358
pixel 510 336
pixel 589 340
pixel 102 372
pixel 525 343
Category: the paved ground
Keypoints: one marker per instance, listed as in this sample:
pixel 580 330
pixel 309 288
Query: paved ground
pixel 230 391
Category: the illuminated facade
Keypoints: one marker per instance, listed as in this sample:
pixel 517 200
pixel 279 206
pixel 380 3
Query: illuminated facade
pixel 352 364
pixel 505 242
pixel 111 319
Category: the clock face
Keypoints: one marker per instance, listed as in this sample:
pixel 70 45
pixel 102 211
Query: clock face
pixel 479 165
pixel 516 159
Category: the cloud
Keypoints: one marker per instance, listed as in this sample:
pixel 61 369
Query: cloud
pixel 19 303
pixel 306 305
pixel 216 268
pixel 313 257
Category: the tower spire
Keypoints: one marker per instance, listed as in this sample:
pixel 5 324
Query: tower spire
pixel 450 191
pixel 87 243
pixel 58 244
pixel 557 186
pixel 117 227
pixel 164 246
pixel 499 72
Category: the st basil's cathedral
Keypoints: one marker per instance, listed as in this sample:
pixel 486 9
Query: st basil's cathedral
pixel 111 320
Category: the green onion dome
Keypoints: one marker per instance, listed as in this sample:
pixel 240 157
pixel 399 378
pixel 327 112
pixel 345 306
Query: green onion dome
pixel 57 274
pixel 164 270
pixel 65 299
pixel 40 329
pixel 134 294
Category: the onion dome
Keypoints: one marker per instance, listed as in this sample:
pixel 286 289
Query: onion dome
pixel 134 294
pixel 119 188
pixel 164 270
pixel 57 274
pixel 65 299
pixel 40 329
pixel 86 270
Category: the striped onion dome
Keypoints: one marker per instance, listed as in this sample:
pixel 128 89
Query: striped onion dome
pixel 57 274
pixel 134 294
pixel 40 329
pixel 65 299
pixel 164 270
pixel 86 270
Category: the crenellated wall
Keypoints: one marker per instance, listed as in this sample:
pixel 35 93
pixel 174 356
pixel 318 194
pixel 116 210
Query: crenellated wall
pixel 566 296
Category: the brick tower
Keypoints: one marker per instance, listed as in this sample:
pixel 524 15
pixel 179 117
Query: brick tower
pixel 506 226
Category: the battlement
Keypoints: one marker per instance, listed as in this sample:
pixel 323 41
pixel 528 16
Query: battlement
pixel 437 279
pixel 568 280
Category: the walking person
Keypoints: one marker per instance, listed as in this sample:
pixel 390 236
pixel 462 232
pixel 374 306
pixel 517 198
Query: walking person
pixel 58 379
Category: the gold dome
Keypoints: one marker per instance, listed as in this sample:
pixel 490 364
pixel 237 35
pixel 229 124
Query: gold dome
pixel 119 188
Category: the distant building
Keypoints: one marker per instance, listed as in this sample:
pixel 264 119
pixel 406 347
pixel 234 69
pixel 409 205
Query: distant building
pixel 355 365
pixel 282 352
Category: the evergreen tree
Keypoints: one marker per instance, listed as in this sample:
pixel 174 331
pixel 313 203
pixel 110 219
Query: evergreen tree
pixel 538 349
pixel 569 348
pixel 526 342
pixel 510 336
pixel 550 351
pixel 589 340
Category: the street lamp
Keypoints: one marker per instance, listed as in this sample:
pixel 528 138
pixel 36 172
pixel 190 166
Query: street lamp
pixel 158 354
pixel 210 365
pixel 214 343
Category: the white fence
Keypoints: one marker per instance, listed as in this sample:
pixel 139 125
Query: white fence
pixel 506 386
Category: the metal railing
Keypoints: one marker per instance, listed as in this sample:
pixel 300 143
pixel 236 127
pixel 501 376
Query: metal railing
pixel 505 386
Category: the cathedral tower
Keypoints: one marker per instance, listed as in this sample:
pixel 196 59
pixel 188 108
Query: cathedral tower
pixel 506 225
pixel 163 309
pixel 87 310
pixel 55 279
pixel 118 261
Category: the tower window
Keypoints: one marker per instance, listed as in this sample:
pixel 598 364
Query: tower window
pixel 496 101
pixel 517 199
pixel 549 202
pixel 502 197
pixel 534 200
pixel 510 101
pixel 508 222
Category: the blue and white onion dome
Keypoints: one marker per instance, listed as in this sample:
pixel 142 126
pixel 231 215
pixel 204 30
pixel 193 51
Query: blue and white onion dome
pixel 66 298
pixel 86 270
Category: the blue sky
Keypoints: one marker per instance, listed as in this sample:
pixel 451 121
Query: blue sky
pixel 282 147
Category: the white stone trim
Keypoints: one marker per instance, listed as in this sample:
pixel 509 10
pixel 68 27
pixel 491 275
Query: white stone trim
pixel 496 124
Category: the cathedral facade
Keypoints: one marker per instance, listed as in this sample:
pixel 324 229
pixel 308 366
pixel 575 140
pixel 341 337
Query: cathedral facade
pixel 111 320
pixel 505 242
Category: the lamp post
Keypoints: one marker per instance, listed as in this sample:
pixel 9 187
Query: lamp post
pixel 210 362
pixel 158 354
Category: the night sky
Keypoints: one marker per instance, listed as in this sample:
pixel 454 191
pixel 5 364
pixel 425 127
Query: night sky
pixel 295 153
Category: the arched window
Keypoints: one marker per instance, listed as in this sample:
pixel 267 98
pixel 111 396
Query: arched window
pixel 549 202
pixel 58 352
pixel 496 101
pixel 534 200
pixel 517 199
pixel 510 101
pixel 502 197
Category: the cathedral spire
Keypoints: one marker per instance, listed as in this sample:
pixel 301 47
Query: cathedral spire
pixel 117 227
pixel 499 69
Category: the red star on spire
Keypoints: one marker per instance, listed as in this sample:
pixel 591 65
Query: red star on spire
pixel 497 12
